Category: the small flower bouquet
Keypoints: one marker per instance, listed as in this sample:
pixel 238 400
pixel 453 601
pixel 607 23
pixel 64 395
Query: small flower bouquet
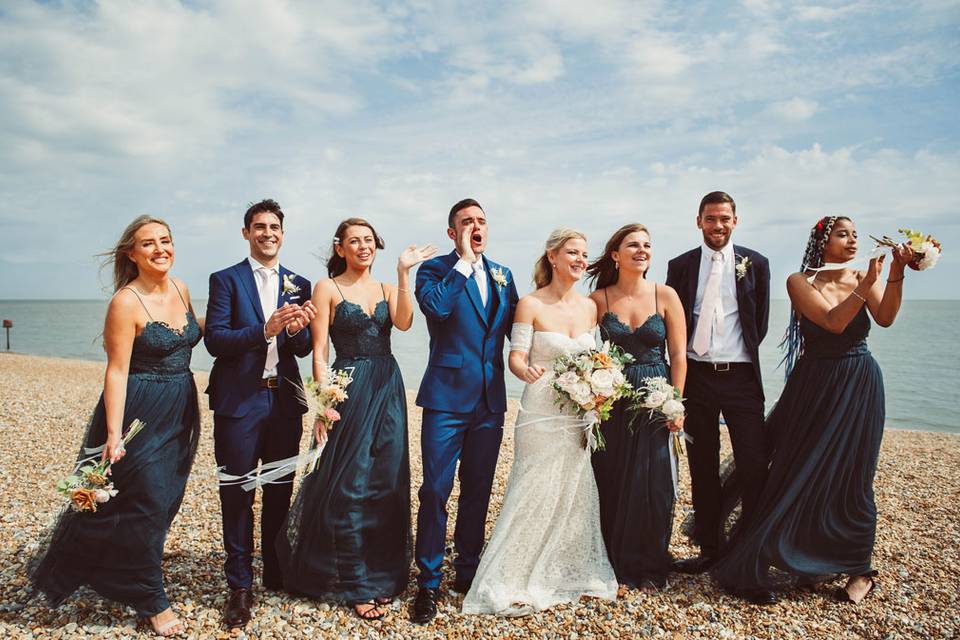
pixel 664 402
pixel 590 383
pixel 926 248
pixel 330 391
pixel 89 485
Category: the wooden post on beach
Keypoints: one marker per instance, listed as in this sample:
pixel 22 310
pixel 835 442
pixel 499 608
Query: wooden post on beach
pixel 8 324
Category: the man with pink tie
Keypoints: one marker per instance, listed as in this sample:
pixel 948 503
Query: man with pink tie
pixel 725 291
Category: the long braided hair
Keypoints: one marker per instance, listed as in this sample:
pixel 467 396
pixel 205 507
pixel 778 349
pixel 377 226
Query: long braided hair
pixel 792 343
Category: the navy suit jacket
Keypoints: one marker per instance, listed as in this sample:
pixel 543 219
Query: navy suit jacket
pixel 466 338
pixel 234 337
pixel 753 295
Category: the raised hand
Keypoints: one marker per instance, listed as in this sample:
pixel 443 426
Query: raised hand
pixel 873 271
pixel 464 246
pixel 280 319
pixel 414 255
pixel 902 256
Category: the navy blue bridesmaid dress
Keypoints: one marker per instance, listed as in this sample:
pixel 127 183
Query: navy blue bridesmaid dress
pixel 817 515
pixel 347 538
pixel 117 550
pixel 633 472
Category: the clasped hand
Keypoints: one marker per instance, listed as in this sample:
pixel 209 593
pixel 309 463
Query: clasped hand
pixel 292 317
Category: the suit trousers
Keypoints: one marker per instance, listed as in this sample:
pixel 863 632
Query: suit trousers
pixel 473 438
pixel 738 395
pixel 265 434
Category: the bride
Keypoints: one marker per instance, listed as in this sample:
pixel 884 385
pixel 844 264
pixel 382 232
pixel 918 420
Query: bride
pixel 547 547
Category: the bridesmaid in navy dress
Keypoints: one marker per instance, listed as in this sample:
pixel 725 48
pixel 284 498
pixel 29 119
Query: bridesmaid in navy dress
pixel 633 473
pixel 817 515
pixel 347 538
pixel 149 333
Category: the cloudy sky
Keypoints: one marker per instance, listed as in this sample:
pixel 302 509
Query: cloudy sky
pixel 549 112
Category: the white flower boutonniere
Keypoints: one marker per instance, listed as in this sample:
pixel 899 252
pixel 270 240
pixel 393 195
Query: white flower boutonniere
pixel 498 276
pixel 288 285
pixel 743 263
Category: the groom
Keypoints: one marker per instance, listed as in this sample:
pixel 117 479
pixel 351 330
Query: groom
pixel 258 316
pixel 725 292
pixel 469 302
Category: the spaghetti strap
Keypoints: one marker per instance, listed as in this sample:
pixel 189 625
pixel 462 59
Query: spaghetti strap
pixel 141 301
pixel 656 304
pixel 383 291
pixel 342 297
pixel 179 294
pixel 606 300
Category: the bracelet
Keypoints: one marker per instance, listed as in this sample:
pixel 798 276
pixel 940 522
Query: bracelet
pixel 403 290
pixel 854 293
pixel 900 279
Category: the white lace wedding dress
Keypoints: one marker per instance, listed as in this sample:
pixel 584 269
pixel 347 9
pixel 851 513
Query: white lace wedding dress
pixel 546 546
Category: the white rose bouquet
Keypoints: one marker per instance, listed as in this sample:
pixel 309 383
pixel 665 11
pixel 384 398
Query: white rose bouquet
pixel 664 402
pixel 589 383
pixel 926 248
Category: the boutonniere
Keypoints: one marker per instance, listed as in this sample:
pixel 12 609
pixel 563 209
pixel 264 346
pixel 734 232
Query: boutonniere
pixel 499 277
pixel 743 263
pixel 288 284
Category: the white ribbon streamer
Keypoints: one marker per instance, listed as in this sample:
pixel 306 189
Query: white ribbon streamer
pixel 566 423
pixel 269 472
pixel 675 460
pixel 850 264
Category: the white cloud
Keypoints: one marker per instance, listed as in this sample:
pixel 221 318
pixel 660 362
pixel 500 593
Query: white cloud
pixel 794 110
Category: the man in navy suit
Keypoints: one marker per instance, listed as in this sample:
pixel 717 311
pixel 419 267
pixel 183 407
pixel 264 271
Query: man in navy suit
pixel 469 302
pixel 258 316
pixel 725 292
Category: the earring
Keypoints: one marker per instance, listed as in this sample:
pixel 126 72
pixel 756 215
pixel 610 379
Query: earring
pixel 553 264
pixel 616 265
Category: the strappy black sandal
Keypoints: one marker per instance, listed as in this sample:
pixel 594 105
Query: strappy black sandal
pixel 373 613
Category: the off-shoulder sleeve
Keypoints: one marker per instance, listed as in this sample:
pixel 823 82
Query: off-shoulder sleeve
pixel 521 337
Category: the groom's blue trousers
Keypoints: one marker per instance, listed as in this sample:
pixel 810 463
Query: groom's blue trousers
pixel 473 438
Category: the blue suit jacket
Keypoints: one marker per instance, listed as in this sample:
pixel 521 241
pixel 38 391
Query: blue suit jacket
pixel 753 295
pixel 466 339
pixel 234 337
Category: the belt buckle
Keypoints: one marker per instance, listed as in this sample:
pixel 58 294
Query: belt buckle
pixel 271 383
pixel 721 366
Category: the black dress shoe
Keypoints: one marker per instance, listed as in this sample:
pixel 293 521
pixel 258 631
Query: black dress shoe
pixel 237 612
pixel 462 585
pixel 425 605
pixel 694 565
pixel 759 596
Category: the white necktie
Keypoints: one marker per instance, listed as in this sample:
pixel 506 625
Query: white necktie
pixel 266 287
pixel 481 277
pixel 709 308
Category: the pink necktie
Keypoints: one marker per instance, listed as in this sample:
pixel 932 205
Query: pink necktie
pixel 709 307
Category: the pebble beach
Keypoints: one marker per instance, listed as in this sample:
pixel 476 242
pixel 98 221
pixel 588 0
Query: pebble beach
pixel 45 404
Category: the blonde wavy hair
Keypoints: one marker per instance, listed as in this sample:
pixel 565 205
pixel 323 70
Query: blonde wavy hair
pixel 542 270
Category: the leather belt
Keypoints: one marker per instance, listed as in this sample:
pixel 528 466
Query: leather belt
pixel 270 383
pixel 721 367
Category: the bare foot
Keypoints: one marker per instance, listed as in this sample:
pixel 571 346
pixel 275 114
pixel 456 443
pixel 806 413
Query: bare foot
pixel 166 623
pixel 858 587
pixel 369 611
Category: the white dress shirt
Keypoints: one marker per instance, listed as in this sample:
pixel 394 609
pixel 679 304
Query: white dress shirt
pixel 478 273
pixel 727 346
pixel 268 288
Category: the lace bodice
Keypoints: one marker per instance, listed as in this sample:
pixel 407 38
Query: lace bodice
pixel 355 334
pixel 160 349
pixel 645 343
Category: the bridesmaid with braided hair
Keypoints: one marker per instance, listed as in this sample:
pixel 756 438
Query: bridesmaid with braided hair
pixel 816 516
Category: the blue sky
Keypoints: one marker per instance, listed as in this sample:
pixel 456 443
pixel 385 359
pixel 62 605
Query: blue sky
pixel 549 112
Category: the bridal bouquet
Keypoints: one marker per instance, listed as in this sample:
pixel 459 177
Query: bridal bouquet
pixel 330 391
pixel 926 248
pixel 88 485
pixel 589 383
